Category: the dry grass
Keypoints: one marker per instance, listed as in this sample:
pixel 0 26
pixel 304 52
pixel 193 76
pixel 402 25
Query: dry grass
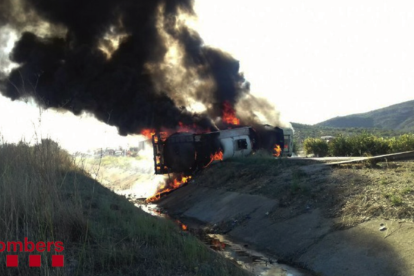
pixel 349 194
pixel 46 198
pixel 30 178
pixel 384 191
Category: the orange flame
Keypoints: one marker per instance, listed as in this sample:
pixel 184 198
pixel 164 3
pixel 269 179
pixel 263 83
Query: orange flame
pixel 190 128
pixel 217 156
pixel 182 225
pixel 229 115
pixel 148 133
pixel 277 151
pixel 217 244
pixel 186 128
pixel 170 186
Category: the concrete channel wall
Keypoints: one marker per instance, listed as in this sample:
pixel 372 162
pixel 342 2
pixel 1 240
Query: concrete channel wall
pixel 309 240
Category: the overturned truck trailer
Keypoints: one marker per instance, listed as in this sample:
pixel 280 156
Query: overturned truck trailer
pixel 185 152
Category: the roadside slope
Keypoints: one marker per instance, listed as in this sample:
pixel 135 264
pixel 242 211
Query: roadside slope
pixel 45 197
pixel 327 221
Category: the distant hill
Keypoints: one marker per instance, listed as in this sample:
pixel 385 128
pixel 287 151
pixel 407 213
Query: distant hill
pixel 394 117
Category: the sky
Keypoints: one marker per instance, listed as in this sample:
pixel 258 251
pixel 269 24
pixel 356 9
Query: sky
pixel 74 133
pixel 313 59
pixel 318 59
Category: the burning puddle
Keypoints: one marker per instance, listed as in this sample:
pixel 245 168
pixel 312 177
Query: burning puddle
pixel 249 259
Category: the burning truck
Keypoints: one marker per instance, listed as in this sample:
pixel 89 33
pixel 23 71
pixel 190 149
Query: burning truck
pixel 186 152
pixel 137 65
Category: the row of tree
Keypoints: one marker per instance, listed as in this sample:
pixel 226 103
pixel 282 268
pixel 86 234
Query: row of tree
pixel 358 145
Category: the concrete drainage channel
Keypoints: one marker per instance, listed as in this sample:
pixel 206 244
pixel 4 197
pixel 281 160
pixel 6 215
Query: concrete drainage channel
pixel 241 253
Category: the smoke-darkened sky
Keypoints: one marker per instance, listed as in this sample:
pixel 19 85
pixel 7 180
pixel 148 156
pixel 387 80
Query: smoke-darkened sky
pixel 315 60
pixel 133 64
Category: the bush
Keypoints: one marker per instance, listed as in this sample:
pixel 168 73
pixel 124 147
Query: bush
pixel 367 145
pixel 339 146
pixel 315 146
pixel 402 143
pixel 359 145
pixel 295 148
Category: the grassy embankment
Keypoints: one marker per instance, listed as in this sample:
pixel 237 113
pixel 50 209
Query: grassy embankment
pixel 45 197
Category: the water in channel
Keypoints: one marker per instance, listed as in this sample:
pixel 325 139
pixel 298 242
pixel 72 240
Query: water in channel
pixel 257 263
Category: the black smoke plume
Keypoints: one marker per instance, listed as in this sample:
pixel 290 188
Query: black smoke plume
pixel 67 60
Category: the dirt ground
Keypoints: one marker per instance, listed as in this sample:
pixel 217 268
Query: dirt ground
pixel 347 220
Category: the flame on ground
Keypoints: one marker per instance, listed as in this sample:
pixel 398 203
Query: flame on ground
pixel 277 151
pixel 168 187
pixel 181 225
pixel 229 114
pixel 216 244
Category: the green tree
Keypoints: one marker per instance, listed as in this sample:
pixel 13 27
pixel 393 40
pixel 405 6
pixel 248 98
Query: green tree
pixel 339 147
pixel 315 146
